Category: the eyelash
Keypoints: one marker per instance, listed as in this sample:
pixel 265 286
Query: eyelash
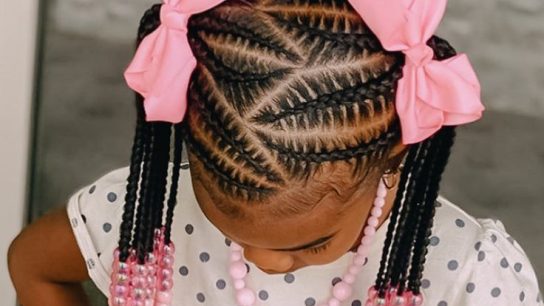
pixel 318 249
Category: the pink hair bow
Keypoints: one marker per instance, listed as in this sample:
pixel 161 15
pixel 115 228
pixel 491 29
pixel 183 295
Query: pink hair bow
pixel 162 66
pixel 431 93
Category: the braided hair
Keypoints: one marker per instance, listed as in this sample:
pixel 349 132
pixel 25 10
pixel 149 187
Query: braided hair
pixel 281 88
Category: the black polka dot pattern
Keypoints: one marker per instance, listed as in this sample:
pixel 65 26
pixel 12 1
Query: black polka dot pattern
pixel 204 257
pixel 434 241
pixel 452 265
pixel 112 197
pixel 220 284
pixel 457 245
pixel 263 295
pixel 189 229
pixel 106 227
pixel 425 283
pixel 183 270
pixel 200 297
pixel 460 223
pixel 289 278
pixel 495 292
pixel 309 301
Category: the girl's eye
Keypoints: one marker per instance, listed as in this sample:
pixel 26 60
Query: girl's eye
pixel 318 249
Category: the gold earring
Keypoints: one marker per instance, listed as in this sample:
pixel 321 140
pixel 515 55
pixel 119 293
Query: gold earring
pixel 392 173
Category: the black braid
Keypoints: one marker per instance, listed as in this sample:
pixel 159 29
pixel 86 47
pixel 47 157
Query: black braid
pixel 359 93
pixel 132 185
pixel 413 217
pixel 406 207
pixel 141 213
pixel 172 200
pixel 411 157
pixel 422 241
pixel 140 157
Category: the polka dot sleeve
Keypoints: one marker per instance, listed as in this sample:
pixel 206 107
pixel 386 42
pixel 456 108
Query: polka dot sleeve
pixel 95 215
pixel 497 273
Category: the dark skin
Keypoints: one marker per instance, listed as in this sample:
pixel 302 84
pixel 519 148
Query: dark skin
pixel 275 246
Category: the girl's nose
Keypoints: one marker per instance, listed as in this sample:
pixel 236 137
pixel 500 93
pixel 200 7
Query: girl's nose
pixel 269 261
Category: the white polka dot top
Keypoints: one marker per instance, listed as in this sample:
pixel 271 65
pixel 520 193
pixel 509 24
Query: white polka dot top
pixel 471 262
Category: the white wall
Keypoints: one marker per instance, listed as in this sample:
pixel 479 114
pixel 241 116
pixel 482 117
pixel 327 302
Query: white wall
pixel 18 22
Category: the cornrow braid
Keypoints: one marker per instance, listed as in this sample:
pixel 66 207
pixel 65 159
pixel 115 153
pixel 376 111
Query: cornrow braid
pixel 258 88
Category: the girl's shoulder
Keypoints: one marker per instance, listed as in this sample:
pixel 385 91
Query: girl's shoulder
pixel 486 264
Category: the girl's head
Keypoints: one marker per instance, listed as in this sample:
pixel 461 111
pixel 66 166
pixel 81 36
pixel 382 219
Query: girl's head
pixel 291 123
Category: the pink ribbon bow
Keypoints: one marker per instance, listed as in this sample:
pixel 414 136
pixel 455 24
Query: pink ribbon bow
pixel 162 66
pixel 431 93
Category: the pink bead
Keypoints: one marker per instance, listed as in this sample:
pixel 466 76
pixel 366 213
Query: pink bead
pixel 138 303
pixel 151 259
pixel 137 294
pixel 238 270
pixel 140 270
pixel 372 292
pixel 342 291
pixel 169 249
pixel 167 261
pixel 151 269
pixel 399 301
pixel 139 281
pixel 379 202
pixel 373 221
pixel 167 272
pixel 151 280
pixel 123 268
pixel 333 302
pixel 166 285
pixel 354 269
pixel 359 260
pixel 366 240
pixel 369 230
pixel 382 191
pixel 362 250
pixel 245 297
pixel 349 278
pixel 117 301
pixel 239 284
pixel 235 247
pixel 235 256
pixel 121 278
pixel 119 290
pixel 164 297
pixel 376 212
pixel 416 300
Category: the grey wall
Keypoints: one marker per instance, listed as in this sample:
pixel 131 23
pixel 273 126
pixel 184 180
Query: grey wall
pixel 503 38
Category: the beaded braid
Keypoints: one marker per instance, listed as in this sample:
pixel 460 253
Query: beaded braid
pixel 406 243
pixel 142 267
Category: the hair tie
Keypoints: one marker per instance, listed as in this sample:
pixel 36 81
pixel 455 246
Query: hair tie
pixel 431 93
pixel 161 68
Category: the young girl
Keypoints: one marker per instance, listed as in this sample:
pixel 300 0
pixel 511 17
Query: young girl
pixel 317 134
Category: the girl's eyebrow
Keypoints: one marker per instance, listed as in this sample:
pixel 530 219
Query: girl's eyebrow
pixel 307 245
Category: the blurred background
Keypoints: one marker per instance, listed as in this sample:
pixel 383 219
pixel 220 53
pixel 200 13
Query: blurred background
pixel 84 114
